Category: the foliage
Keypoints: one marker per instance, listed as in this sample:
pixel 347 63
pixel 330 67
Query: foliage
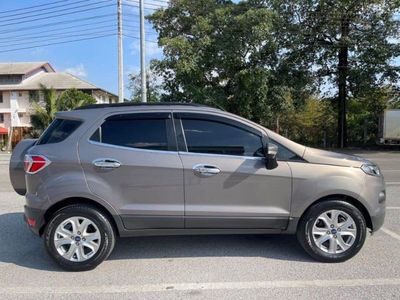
pixel 223 54
pixel 73 98
pixel 45 111
pixel 270 60
pixel 154 88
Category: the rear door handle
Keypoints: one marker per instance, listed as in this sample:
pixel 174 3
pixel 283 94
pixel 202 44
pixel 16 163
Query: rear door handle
pixel 106 163
pixel 206 170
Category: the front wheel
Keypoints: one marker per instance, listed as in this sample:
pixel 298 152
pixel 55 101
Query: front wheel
pixel 332 231
pixel 79 237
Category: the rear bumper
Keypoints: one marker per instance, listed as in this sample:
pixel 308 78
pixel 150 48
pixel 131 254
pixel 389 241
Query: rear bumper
pixel 34 218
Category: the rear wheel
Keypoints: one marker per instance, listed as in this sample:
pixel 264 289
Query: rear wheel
pixel 79 237
pixel 332 231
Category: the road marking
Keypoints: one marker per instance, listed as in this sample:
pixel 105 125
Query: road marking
pixel 392 207
pixel 391 233
pixel 117 289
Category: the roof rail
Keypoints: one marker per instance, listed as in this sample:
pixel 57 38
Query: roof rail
pixel 92 106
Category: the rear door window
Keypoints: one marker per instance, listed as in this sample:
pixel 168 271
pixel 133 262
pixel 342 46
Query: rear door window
pixel 141 131
pixel 58 131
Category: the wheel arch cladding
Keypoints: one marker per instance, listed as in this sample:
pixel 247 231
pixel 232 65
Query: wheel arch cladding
pixel 77 200
pixel 347 199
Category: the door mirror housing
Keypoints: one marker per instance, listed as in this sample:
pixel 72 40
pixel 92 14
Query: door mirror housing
pixel 270 152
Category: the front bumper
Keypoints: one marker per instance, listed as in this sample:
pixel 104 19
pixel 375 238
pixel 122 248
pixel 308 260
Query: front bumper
pixel 34 218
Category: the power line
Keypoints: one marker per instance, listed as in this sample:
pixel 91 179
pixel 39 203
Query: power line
pixel 58 29
pixel 59 15
pixel 152 6
pixel 57 23
pixel 138 38
pixel 60 37
pixel 44 9
pixel 57 43
pixel 56 34
pixel 34 6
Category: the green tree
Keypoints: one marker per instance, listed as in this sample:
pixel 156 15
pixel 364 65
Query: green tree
pixel 73 98
pixel 154 87
pixel 347 44
pixel 45 112
pixel 227 55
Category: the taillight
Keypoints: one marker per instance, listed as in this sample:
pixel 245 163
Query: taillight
pixel 35 163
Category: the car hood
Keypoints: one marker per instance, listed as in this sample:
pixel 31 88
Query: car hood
pixel 323 157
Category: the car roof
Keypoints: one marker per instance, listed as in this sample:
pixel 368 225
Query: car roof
pixel 151 104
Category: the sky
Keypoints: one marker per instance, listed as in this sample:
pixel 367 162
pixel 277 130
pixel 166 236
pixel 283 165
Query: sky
pixel 34 23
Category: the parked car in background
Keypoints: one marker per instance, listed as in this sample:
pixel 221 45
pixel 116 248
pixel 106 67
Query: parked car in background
pixel 120 170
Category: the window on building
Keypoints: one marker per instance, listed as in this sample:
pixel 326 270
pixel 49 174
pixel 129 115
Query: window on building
pixel 33 96
pixel 19 94
pixel 1 97
pixel 1 118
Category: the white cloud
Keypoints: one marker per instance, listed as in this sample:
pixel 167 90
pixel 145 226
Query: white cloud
pixel 152 50
pixel 78 70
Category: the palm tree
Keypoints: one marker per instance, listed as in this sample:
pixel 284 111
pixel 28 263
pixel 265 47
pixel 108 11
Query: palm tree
pixel 44 114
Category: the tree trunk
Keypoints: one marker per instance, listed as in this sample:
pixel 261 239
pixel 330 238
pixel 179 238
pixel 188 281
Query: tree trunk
pixel 342 82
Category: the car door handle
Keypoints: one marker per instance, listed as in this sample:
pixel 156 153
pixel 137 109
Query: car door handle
pixel 106 163
pixel 206 170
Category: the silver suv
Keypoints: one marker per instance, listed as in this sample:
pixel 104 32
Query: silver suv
pixel 104 171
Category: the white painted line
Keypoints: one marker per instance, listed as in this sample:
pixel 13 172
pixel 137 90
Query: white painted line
pixel 392 207
pixel 117 289
pixel 391 233
pixel 392 183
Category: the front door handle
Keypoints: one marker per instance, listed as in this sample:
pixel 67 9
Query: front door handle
pixel 205 170
pixel 106 163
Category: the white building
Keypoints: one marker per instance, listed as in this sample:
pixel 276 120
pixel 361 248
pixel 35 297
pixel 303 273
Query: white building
pixel 20 85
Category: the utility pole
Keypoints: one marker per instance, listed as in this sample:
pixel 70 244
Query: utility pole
pixel 120 54
pixel 142 52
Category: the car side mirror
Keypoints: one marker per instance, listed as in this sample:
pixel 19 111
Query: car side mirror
pixel 270 152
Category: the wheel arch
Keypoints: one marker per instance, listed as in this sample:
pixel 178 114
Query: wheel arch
pixel 347 199
pixel 115 221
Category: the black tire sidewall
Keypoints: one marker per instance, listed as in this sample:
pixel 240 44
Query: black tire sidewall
pixel 102 223
pixel 305 237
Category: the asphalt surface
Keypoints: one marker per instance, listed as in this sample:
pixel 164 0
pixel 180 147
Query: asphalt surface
pixel 203 267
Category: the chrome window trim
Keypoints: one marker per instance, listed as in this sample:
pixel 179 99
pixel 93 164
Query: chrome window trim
pixel 131 148
pixel 222 155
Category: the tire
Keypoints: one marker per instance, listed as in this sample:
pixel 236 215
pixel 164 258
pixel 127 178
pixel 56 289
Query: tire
pixel 89 248
pixel 344 244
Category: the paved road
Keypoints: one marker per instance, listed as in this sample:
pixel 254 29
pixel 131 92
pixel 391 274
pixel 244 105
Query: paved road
pixel 199 267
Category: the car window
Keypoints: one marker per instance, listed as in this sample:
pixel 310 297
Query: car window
pixel 134 133
pixel 58 131
pixel 206 136
pixel 284 153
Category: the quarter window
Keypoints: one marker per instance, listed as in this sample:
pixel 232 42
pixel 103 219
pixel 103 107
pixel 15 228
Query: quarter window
pixel 58 131
pixel 135 132
pixel 206 136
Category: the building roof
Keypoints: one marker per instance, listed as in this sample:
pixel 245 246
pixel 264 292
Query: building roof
pixel 21 68
pixel 57 81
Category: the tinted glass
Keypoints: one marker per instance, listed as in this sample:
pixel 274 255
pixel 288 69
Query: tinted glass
pixel 284 153
pixel 204 136
pixel 58 131
pixel 134 133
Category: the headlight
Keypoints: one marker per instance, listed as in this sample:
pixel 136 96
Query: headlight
pixel 371 170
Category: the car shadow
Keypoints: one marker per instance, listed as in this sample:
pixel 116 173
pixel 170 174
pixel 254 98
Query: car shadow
pixel 20 247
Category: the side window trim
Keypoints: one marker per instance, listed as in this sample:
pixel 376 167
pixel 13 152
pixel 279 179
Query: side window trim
pixel 167 116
